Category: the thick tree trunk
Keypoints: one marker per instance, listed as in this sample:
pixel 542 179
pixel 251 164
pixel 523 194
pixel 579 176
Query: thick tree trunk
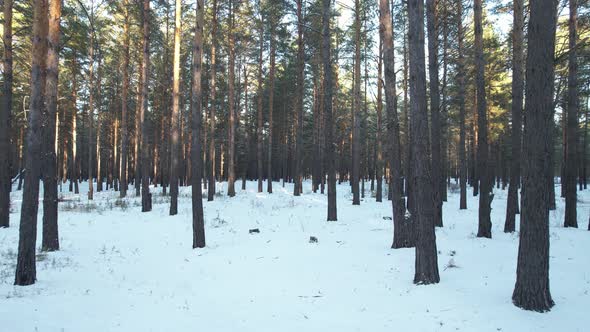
pixel 197 163
pixel 435 136
pixel 26 272
pixel 421 179
pixel 403 231
pixel 485 224
pixel 571 162
pixel 146 197
pixel 50 240
pixel 175 144
pixel 5 118
pixel 531 291
pixel 328 85
pixel 124 96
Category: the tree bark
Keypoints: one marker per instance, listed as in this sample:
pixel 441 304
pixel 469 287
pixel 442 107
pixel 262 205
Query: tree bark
pixel 50 241
pixel 435 131
pixel 231 178
pixel 328 85
pixel 212 166
pixel 356 113
pixel 485 224
pixel 146 197
pixel 298 176
pixel 461 101
pixel 517 107
pixel 379 146
pixel 6 118
pixel 403 232
pixel 259 115
pixel 571 162
pixel 124 96
pixel 421 179
pixel 175 144
pixel 271 93
pixel 26 273
pixel 531 291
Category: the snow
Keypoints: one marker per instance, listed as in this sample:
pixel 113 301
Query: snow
pixel 122 270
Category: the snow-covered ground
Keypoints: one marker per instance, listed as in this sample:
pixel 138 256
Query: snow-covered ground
pixel 123 270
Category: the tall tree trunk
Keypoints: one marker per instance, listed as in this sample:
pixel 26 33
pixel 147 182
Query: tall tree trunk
pixel 517 95
pixel 212 165
pixel 197 163
pixel 461 101
pixel 271 94
pixel 379 163
pixel 356 112
pixel 75 170
pixel 175 144
pixel 403 234
pixel 26 272
pixel 231 171
pixel 298 174
pixel 531 291
pixel 91 104
pixel 146 197
pixel 435 136
pixel 50 240
pixel 328 85
pixel 571 162
pixel 485 224
pixel 259 115
pixel 5 119
pixel 124 96
pixel 421 179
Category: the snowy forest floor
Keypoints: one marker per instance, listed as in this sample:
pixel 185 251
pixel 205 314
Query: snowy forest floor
pixel 122 270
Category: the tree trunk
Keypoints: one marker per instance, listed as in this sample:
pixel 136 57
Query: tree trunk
pixel 124 96
pixel 517 107
pixel 197 100
pixel 50 240
pixel 298 176
pixel 91 104
pixel 485 224
pixel 571 163
pixel 435 136
pixel 379 163
pixel 356 111
pixel 271 94
pixel 175 144
pixel 212 165
pixel 26 273
pixel 146 197
pixel 461 102
pixel 231 171
pixel 403 233
pixel 328 85
pixel 421 180
pixel 259 115
pixel 6 118
pixel 531 291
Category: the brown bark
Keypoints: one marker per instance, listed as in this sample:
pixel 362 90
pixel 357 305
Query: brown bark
pixel 212 157
pixel 175 144
pixel 26 273
pixel 231 171
pixel 124 97
pixel 50 241
pixel 146 197
pixel 5 118
pixel 571 162
pixel 298 176
pixel 461 101
pixel 259 115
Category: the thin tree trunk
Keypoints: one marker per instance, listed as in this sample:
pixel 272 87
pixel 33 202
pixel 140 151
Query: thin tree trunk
pixel 50 241
pixel 298 176
pixel 379 163
pixel 356 112
pixel 403 233
pixel 461 101
pixel 26 272
pixel 531 291
pixel 259 115
pixel 212 157
pixel 175 144
pixel 146 197
pixel 517 96
pixel 421 180
pixel 571 163
pixel 91 104
pixel 271 93
pixel 6 118
pixel 435 130
pixel 231 171
pixel 197 100
pixel 485 224
pixel 124 96
pixel 328 85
